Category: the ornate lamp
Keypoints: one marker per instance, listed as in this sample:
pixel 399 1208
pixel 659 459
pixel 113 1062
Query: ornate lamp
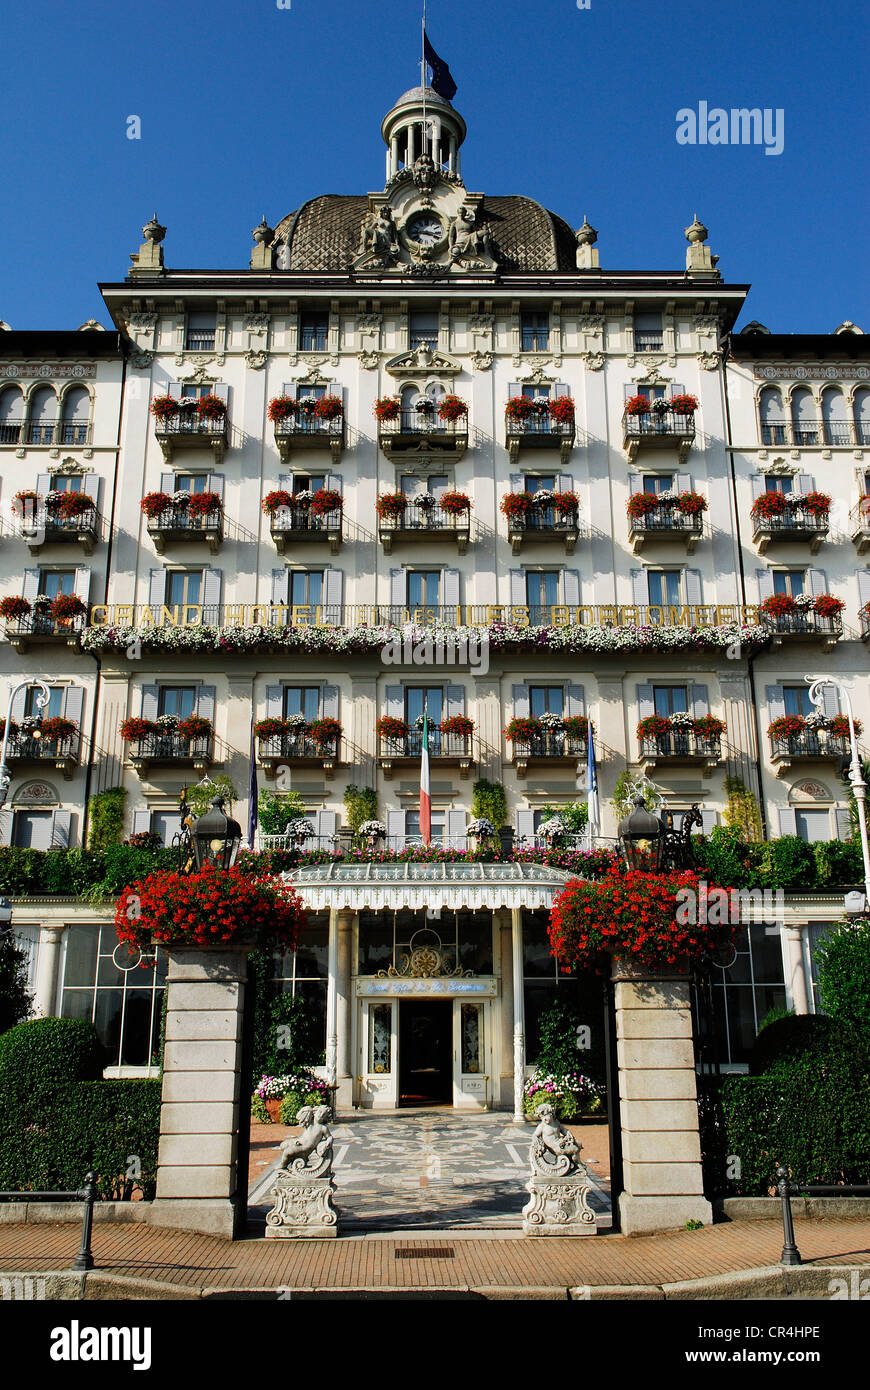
pixel 215 837
pixel 641 835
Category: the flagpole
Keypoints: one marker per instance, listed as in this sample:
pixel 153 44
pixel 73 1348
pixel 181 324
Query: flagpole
pixel 423 73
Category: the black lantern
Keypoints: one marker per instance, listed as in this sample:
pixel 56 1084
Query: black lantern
pixel 641 835
pixel 215 837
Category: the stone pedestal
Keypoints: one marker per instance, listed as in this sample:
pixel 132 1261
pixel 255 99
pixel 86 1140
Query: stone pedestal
pixel 197 1161
pixel 559 1206
pixel 662 1179
pixel 303 1208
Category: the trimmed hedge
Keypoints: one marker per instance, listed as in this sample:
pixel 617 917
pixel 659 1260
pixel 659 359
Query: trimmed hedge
pixel 45 1056
pixel 788 1042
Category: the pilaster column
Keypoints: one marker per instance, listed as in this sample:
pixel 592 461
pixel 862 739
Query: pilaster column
pixel 504 1096
pixel 47 966
pixel 519 1012
pixel 796 978
pixel 343 1002
pixel 332 1001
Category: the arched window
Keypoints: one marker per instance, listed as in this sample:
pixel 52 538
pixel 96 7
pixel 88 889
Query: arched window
pixel 835 417
pixel 773 429
pixel 43 416
pixel 11 414
pixel 75 416
pixel 862 416
pixel 804 421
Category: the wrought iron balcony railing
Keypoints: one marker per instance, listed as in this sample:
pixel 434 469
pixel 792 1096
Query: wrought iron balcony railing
pixel 417 521
pixel 297 748
pixel 24 747
pixel 187 428
pixel 424 430
pixel 454 746
pixel 830 432
pixel 859 518
pixel 17 432
pixel 796 524
pixel 539 432
pixel 662 431
pixel 170 748
pixel 299 524
pixel 548 746
pixel 40 525
pixel 804 624
pixel 810 743
pixel 682 745
pixel 666 523
pixel 309 431
pixel 179 524
pixel 42 627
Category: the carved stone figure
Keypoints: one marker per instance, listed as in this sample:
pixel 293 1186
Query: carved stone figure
pixel 304 1187
pixel 424 173
pixel 559 1185
pixel 378 241
pixel 553 1149
pixel 467 241
pixel 311 1153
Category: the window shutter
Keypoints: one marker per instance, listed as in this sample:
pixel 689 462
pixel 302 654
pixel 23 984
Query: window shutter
pixel 41 834
pixel 775 701
pixel 639 588
pixel 395 829
pixel 329 702
pixel 281 586
pixel 43 484
pixel 289 389
pixel 684 482
pixel 645 701
pixel 333 580
pixel 456 829
pixel 635 483
pixel 211 594
pixel 30 587
pixel 676 388
pixel 817 582
pixel 521 701
pixel 215 483
pixel 285 482
pixel 205 702
pixel 560 388
pixel 709 820
pixel 335 483
pixel 518 482
pixel 525 825
pixel 394 699
pixel 150 701
pixel 455 699
pixel 82 586
pixel 571 587
pixel 61 828
pixel 693 586
pixel 863 587
pixel 564 482
pixel 765 584
pixel 515 388
pixel 167 484
pixel 830 701
pixel 19 704
pixel 157 588
pixel 576 700
pixel 324 825
pixel 804 483
pixel 844 823
pixel 398 588
pixel 518 588
pixel 6 818
pixel 698 700
pixel 221 390
pixel 629 389
pixel 141 822
pixel 787 821
pixel 450 588
pixel 274 701
pixel 757 484
pixel 174 390
pixel 73 704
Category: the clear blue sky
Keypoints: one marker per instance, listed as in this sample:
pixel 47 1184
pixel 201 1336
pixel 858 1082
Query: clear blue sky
pixel 247 109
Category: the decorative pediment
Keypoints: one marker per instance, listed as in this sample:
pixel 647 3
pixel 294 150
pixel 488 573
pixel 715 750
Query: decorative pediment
pixel 314 377
pixel 69 465
pixel 36 794
pixel 537 377
pixel 422 359
pixel 652 377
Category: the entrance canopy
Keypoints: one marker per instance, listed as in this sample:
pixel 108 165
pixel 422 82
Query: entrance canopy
pixel 419 885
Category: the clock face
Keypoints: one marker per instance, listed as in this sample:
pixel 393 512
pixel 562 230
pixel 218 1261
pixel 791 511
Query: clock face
pixel 425 228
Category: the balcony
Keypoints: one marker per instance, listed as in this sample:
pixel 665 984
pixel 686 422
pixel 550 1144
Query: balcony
pixel 830 434
pixel 682 747
pixel 797 524
pixel 17 432
pixel 542 524
pixel 161 750
pixel 445 750
pixel 423 432
pixel 539 432
pixel 42 628
pixel 666 524
pixel 809 746
pixel 549 749
pixel 803 626
pixel 298 750
pixel 187 430
pixel 422 523
pixel 860 525
pixel 298 525
pixel 177 524
pixel 651 431
pixel 61 753
pixel 41 525
pixel 309 432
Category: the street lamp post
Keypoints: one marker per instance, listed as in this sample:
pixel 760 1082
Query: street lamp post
pixel 41 701
pixel 856 776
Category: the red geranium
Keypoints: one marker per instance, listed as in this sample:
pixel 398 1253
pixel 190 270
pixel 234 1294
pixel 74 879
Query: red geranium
pixel 454 503
pixel 275 500
pixel 323 731
pixel 391 504
pixel 838 726
pixel 566 503
pixel 562 409
pixel 325 500
pixel 787 726
pixel 653 726
pixel 162 406
pixel 516 504
pixel 778 605
pixel 66 606
pixel 827 606
pixel 684 405
pixel 14 607
pixel 691 503
pixel 523 728
pixel 519 408
pixel 194 726
pixel 388 726
pixel 211 408
pixel 135 728
pixel 641 504
pixel 452 408
pixel 328 408
pixel 71 504
pixel 204 503
pixel 770 504
pixel 387 407
pixel 281 408
pixel 708 726
pixel 58 728
pixel 155 503
pixel 576 726
pixel 209 908
pixel 637 405
pixel 818 502
pixel 458 724
pixel 271 728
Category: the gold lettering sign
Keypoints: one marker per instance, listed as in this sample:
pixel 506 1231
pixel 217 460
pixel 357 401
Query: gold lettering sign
pixel 629 616
pixel 679 617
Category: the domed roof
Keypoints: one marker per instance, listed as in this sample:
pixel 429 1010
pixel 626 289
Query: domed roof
pixel 323 234
pixel 415 94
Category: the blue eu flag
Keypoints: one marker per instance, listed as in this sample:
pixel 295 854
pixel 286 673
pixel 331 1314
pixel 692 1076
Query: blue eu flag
pixel 442 82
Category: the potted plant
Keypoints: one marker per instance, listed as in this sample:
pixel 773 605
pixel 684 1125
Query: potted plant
pixel 57 728
pixel 788 726
pixel 708 726
pixel 452 408
pixel 515 505
pixel 134 727
pixel 389 727
pixel 204 503
pixel 827 606
pixel 819 503
pixel 640 504
pixel 71 504
pixel 270 728
pixel 838 726
pixel 519 408
pixel 690 503
pixel 195 727
pixel 576 726
pixel 566 503
pixel 325 500
pixel 387 407
pixel 66 607
pixel 210 908
pixel 637 405
pixel 324 731
pixel 26 500
pixel 561 409
pixel 778 606
pixel 653 726
pixel 328 408
pixel 770 504
pixel 424 405
pixel 391 505
pixel 455 503
pixel 281 408
pixel 155 503
pixel 14 608
pixel 211 407
pixel 371 831
pixel 481 828
pixel 457 726
pixel 164 406
pixel 523 729
pixel 273 501
pixel 684 405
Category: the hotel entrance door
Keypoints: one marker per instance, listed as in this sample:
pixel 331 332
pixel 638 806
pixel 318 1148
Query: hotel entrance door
pixel 425 1052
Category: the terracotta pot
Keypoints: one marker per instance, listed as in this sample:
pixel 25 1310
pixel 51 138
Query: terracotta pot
pixel 274 1109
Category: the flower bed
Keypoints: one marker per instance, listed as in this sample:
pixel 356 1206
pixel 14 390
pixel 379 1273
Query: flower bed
pixel 571 1094
pixel 210 907
pixel 391 504
pixel 454 503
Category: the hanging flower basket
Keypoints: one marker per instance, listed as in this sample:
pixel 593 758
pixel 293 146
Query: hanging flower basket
pixel 457 724
pixel 324 731
pixel 388 726
pixel 561 409
pixel 639 916
pixel 194 726
pixel 827 606
pixel 57 728
pixel 13 607
pixel 271 728
pixel 211 408
pixel 387 407
pixel 391 504
pixel 329 408
pixel 452 408
pixel 372 830
pixel 819 503
pixel 455 503
pixel 522 729
pixel 482 828
pixel 653 726
pixel 135 728
pixel 164 406
pixel 770 504
pixel 65 607
pixel 637 405
pixel 838 726
pixel 273 501
pixel 640 504
pixel 209 908
pixel 778 606
pixel 516 504
pixel 519 408
pixel 788 726
pixel 576 726
pixel 424 405
pixel 660 406
pixel 683 405
pixel 325 500
pixel 690 503
pixel 281 408
pixel 708 726
pixel 155 503
pixel 204 503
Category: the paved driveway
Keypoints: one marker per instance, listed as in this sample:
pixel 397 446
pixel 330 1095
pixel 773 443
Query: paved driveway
pixel 430 1169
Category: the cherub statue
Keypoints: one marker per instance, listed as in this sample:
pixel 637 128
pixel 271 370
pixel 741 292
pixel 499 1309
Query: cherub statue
pixel 311 1153
pixel 553 1151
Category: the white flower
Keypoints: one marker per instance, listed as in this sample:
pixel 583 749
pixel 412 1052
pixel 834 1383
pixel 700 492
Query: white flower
pixel 424 499
pixel 681 720
pixel 297 722
pixel 550 722
pixel 552 827
pixel 817 720
pixel 304 496
pixel 300 829
pixel 481 827
pixel 543 494
pixel 374 828
pixel 804 601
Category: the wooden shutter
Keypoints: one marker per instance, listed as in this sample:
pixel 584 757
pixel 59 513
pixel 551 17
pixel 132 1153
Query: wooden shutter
pixel 804 483
pixel 167 484
pixel 765 584
pixel 394 700
pixel 455 699
pixel 215 483
pixel 141 821
pixel 830 700
pixel 334 483
pixel 30 587
pixel 693 586
pixel 757 483
pixel 863 587
pixel 157 588
pixel 560 388
pixel 575 700
pixel 521 701
pixel 844 823
pixel 205 702
pixel 281 586
pixel 571 587
pixel 61 829
pixel 329 702
pixel 222 391
pixel 150 701
pixel 19 704
pixel 450 588
pixel 775 698
pixel 515 388
pixel 698 700
pixel 274 701
pixel 82 585
pixel 324 825
pixel 398 588
pixel 333 581
pixel 395 829
pixel 174 390
pixel 456 829
pixel 639 588
pixel 787 821
pixel 817 582
pixel 564 482
pixel 211 595
pixel 684 482
pixel 635 482
pixel 646 704
pixel 518 588
pixel 289 389
pixel 43 484
pixel 525 825
pixel 676 388
pixel 518 482
pixel 709 820
pixel 6 820
pixel 73 703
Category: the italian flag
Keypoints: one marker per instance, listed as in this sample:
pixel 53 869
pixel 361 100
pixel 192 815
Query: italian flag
pixel 425 798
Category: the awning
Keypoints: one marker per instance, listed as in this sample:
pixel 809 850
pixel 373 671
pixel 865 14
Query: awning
pixel 410 884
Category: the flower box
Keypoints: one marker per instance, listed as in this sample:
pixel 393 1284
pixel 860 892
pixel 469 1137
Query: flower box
pixel 135 728
pixel 683 405
pixel 522 729
pixel 770 504
pixel 653 726
pixel 325 500
pixel 271 728
pixel 204 503
pixel 274 500
pixel 818 503
pixel 561 409
pixel 65 607
pixel 155 503
pixel 452 408
pixel 566 503
pixel 391 504
pixel 520 408
pixel 388 726
pixel 454 503
pixel 457 724
pixel 515 505
pixel 787 726
pixel 387 408
pixel 13 607
pixel 778 605
pixel 164 406
pixel 57 728
pixel 211 408
pixel 210 908
pixel 194 726
pixel 328 408
pixel 324 731
pixel 281 408
pixel 637 405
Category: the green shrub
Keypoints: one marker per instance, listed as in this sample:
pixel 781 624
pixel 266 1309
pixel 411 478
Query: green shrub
pixel 259 1111
pixel 724 857
pixel 844 974
pixel 276 810
pixel 15 1002
pixel 106 818
pixel 44 1057
pixel 574 815
pixel 838 863
pixel 786 1042
pixel 488 801
pixel 361 804
pixel 787 863
pixel 294 1100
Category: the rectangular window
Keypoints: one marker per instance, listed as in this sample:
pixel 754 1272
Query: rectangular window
pixel 32 830
pixel 797 700
pixel 302 699
pixel 201 326
pixel 73 483
pixel 191 482
pixel 179 701
pixel 788 582
pixel 54 582
pixel 537 393
pixel 306 587
pixel 817 932
pixel 539 482
pixel 813 826
pixel 430 696
pixel 670 699
pixel 51 710
pixel 658 482
pixel 746 992
pixel 412 824
pixel 535 332
pixel 308 482
pixel 782 485
pixel 313 331
pixel 546 699
pixel 124 1005
pixel 424 588
pixel 664 587
pixel 542 595
pixel 166 824
pixel 310 393
pixel 423 329
pixel 648 332
pixel 183 587
pixel 195 393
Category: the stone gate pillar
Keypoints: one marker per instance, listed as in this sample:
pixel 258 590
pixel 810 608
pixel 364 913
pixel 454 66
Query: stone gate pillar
pixel 663 1185
pixel 197 1162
